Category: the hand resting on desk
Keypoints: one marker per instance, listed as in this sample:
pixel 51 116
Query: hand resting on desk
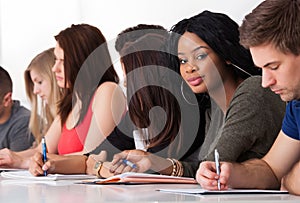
pixel 10 159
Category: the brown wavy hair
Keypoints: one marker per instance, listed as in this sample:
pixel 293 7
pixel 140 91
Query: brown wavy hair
pixel 87 64
pixel 146 64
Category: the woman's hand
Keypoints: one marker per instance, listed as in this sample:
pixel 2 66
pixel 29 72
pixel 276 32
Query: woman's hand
pixel 138 157
pixel 36 164
pixel 91 161
pixel 52 165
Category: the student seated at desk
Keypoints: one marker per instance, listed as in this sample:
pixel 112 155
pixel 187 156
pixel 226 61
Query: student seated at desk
pixel 211 60
pixel 40 81
pixel 92 102
pixel 14 118
pixel 150 84
pixel 145 62
pixel 271 34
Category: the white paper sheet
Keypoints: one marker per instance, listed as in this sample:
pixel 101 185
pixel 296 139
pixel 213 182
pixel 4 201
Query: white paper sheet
pixel 221 192
pixel 25 174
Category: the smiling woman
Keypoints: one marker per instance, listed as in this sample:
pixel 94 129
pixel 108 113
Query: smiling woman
pixel 209 53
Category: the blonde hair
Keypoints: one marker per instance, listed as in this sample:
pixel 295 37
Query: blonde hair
pixel 42 113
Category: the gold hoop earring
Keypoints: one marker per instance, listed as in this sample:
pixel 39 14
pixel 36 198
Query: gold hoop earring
pixel 181 89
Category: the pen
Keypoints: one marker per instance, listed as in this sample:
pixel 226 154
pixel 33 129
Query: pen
pixel 44 151
pixel 129 163
pixel 217 167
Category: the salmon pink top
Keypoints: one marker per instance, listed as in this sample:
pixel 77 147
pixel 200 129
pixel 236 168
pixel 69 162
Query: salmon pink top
pixel 72 140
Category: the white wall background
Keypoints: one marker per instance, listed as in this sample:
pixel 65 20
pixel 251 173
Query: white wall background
pixel 28 27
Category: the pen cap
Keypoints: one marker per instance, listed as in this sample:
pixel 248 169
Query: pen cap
pixel 216 154
pixel 43 140
pixel 44 146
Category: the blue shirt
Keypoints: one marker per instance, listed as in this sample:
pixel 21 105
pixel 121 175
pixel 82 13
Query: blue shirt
pixel 291 121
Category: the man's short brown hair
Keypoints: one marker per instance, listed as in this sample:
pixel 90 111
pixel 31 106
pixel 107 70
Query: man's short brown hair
pixel 273 21
pixel 5 83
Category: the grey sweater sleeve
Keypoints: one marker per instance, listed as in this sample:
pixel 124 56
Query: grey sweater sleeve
pixel 252 123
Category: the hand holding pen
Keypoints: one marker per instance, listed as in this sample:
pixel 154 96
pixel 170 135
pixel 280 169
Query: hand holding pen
pixel 130 161
pixel 44 152
pixel 206 174
pixel 218 167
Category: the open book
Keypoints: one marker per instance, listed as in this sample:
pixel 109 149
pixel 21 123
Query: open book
pixel 221 192
pixel 142 178
pixel 26 175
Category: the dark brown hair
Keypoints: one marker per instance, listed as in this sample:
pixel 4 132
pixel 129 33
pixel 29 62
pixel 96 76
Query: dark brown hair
pixel 87 64
pixel 221 34
pixel 146 65
pixel 273 21
pixel 5 83
pixel 133 33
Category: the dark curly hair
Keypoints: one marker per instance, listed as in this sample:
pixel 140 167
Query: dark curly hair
pixel 222 35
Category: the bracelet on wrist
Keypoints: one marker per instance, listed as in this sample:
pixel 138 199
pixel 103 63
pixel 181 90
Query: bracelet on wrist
pixel 97 168
pixel 177 169
pixel 174 169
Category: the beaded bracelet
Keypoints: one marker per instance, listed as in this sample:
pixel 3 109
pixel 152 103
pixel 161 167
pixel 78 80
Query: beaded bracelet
pixel 180 168
pixel 174 167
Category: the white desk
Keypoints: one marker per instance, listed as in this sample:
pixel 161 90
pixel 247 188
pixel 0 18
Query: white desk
pixel 12 191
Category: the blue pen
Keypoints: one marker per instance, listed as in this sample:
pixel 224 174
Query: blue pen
pixel 129 163
pixel 44 151
pixel 218 167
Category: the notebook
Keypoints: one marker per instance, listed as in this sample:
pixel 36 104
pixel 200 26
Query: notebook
pixel 26 175
pixel 142 178
pixel 10 169
pixel 221 192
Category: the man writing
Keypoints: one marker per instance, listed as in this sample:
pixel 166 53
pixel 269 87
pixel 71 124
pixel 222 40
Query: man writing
pixel 272 33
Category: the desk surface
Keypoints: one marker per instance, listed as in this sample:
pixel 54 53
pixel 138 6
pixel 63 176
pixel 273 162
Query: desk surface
pixel 67 192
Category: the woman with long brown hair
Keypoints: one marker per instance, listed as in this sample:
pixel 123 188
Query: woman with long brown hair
pixel 92 102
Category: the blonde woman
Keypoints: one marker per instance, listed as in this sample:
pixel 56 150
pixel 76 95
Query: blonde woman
pixel 92 103
pixel 43 92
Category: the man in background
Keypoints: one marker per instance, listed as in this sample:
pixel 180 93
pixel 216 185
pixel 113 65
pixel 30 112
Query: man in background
pixel 14 118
